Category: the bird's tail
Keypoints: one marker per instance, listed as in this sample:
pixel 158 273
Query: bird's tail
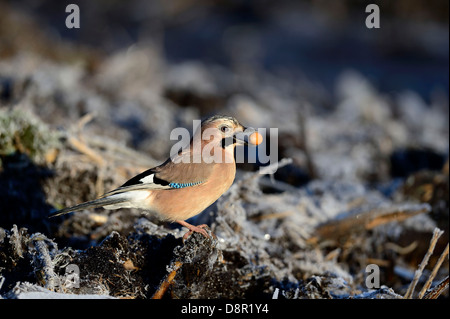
pixel 100 202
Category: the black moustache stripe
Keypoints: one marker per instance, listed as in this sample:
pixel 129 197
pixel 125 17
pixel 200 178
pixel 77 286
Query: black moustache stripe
pixel 227 141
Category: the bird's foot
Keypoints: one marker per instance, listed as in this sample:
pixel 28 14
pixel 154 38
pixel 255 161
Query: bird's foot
pixel 196 229
pixel 193 229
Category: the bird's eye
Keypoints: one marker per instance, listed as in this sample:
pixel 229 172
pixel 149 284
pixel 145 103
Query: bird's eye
pixel 224 128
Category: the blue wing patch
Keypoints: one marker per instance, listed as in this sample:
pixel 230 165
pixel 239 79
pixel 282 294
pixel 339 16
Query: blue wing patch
pixel 182 185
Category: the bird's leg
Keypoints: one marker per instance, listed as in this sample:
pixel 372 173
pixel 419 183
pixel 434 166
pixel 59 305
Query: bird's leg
pixel 192 229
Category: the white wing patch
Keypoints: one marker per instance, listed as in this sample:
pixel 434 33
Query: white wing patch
pixel 147 179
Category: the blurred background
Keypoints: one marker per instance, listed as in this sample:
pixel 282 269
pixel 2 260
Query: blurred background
pixel 82 110
pixel 307 40
pixel 265 62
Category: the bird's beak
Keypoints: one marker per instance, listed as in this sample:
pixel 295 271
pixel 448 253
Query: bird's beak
pixel 241 137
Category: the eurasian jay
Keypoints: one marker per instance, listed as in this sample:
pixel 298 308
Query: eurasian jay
pixel 186 183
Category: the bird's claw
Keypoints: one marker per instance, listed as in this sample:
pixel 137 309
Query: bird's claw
pixel 196 229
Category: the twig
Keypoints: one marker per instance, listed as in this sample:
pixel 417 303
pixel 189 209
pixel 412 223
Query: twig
pixel 397 215
pixel 99 183
pixel 167 281
pixel 434 272
pixel 436 234
pixel 269 169
pixel 84 120
pixel 83 148
pixel 437 290
pixel 369 219
pixel 402 250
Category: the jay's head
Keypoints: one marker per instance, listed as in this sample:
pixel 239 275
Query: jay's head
pixel 220 134
pixel 224 131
